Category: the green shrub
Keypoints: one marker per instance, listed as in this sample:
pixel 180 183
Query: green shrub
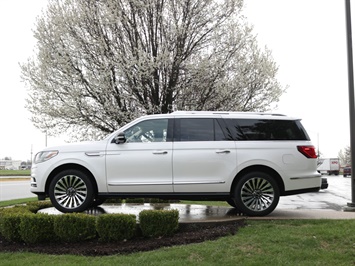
pixel 156 200
pixel 135 200
pixel 154 223
pixel 115 200
pixel 18 209
pixel 10 219
pixel 74 227
pixel 36 228
pixel 35 206
pixel 9 226
pixel 116 227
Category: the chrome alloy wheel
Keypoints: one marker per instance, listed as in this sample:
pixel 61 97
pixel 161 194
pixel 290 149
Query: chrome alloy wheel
pixel 257 194
pixel 70 191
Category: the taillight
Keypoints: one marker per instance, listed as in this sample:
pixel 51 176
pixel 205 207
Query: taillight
pixel 308 151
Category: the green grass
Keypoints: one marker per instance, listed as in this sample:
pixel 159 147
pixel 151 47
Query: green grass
pixel 16 201
pixel 261 242
pixel 15 172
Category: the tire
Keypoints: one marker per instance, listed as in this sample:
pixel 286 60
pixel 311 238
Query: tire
pixel 71 191
pixel 232 203
pixel 97 202
pixel 256 194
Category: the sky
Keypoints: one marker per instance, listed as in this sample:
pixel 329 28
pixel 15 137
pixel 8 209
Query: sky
pixel 307 39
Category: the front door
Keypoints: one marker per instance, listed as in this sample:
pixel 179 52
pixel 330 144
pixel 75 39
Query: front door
pixel 144 162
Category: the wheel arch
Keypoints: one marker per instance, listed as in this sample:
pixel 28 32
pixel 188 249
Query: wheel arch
pixel 260 168
pixel 71 166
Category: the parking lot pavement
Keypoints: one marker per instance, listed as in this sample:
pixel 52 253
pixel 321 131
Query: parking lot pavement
pixel 325 204
pixel 335 197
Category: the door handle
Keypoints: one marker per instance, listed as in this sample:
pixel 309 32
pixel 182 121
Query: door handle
pixel 223 151
pixel 160 152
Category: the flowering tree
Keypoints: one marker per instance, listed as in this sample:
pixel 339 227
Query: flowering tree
pixel 101 63
pixel 345 156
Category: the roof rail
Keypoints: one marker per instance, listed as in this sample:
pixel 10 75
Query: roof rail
pixel 226 113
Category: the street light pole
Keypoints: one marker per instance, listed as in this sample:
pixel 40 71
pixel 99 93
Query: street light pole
pixel 351 205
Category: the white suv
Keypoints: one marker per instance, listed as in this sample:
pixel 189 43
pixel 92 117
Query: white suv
pixel 246 159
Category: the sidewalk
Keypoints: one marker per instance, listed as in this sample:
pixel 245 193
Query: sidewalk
pixel 280 214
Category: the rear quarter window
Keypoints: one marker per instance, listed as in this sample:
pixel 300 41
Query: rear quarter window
pixel 266 129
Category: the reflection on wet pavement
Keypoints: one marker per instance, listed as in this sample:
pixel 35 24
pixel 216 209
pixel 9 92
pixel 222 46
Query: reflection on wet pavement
pixel 187 212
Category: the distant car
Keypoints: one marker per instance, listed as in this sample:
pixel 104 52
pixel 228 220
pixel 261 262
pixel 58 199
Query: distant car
pixel 346 171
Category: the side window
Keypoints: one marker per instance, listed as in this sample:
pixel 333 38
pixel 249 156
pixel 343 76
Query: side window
pixel 200 129
pixel 263 129
pixel 148 131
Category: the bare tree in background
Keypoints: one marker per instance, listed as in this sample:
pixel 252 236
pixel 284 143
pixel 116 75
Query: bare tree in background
pixel 345 156
pixel 101 63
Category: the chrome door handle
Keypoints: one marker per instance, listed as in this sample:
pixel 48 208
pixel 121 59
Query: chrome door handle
pixel 160 152
pixel 223 151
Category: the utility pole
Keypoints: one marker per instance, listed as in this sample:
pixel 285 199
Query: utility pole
pixel 351 205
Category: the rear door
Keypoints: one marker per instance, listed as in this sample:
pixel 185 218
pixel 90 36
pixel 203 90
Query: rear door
pixel 203 159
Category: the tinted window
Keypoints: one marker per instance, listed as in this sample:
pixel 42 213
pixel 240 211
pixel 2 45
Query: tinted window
pixel 199 129
pixel 148 131
pixel 263 129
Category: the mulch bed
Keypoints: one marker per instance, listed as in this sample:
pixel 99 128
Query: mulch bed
pixel 187 234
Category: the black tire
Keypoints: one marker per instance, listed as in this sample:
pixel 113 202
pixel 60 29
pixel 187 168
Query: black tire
pixel 232 203
pixel 71 191
pixel 97 202
pixel 256 194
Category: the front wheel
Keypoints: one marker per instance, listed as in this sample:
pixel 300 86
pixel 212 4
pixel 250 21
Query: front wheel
pixel 256 194
pixel 71 191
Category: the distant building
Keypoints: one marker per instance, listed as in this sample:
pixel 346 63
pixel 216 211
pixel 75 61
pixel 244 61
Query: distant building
pixel 10 165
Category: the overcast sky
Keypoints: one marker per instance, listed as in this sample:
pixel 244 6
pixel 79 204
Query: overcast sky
pixel 307 39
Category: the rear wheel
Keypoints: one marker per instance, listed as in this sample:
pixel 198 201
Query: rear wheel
pixel 256 194
pixel 71 191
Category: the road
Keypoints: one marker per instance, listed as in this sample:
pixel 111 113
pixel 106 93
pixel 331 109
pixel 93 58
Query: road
pixel 335 197
pixel 15 190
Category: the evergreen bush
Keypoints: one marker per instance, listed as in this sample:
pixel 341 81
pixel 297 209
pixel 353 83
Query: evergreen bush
pixel 36 228
pixel 35 206
pixel 116 227
pixel 155 223
pixel 75 227
pixel 134 200
pixel 10 219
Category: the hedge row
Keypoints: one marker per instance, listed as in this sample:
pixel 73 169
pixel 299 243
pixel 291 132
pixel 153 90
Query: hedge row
pixel 20 223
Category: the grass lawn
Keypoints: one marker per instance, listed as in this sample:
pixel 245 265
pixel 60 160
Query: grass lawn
pixel 15 172
pixel 261 242
pixel 280 242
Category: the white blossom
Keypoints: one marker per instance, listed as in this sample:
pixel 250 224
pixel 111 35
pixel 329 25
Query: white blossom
pixel 101 63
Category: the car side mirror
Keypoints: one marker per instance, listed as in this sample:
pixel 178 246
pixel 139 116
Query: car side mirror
pixel 120 138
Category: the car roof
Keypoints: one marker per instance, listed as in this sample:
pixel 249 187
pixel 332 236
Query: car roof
pixel 224 114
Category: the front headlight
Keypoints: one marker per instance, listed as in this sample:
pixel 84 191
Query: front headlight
pixel 44 156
